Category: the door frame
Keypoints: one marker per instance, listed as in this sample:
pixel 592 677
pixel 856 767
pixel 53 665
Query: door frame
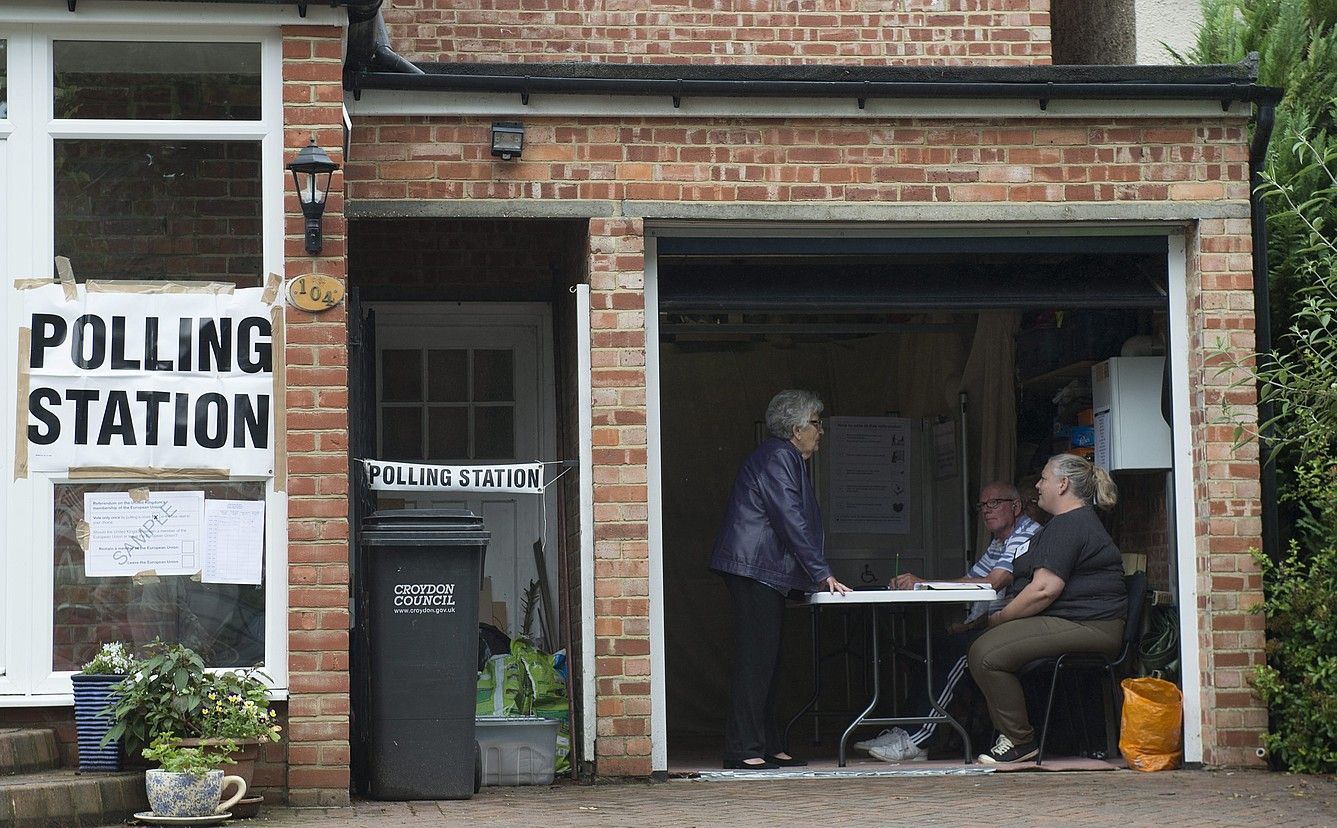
pixel 1182 506
pixel 537 316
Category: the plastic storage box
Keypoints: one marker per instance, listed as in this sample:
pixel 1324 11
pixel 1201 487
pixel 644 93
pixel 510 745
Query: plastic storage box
pixel 517 750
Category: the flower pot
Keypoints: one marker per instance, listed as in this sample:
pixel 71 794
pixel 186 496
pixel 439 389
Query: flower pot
pixel 244 757
pixel 91 722
pixel 187 795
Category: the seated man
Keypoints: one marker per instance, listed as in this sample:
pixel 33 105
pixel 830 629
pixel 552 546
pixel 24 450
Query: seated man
pixel 1001 508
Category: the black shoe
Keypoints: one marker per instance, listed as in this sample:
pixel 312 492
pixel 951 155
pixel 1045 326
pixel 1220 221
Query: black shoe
pixel 739 764
pixel 1004 752
pixel 791 762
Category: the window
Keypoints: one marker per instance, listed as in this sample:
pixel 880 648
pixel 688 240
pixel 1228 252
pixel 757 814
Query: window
pixel 448 404
pixel 139 80
pixel 225 623
pixel 148 153
pixel 160 210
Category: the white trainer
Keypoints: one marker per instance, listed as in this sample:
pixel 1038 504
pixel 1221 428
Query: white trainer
pixel 887 738
pixel 908 751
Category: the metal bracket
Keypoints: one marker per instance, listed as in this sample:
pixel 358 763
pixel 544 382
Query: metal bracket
pixel 301 9
pixel 70 4
pixel 524 93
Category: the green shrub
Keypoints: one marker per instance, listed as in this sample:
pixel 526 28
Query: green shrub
pixel 1299 682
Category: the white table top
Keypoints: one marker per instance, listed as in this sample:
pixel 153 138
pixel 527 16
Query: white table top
pixel 903 596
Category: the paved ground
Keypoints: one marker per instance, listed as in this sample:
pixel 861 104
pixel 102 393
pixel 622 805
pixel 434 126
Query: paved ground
pixel 1113 798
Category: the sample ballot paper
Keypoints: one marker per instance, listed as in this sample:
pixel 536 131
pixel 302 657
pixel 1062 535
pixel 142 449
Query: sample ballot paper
pixel 137 532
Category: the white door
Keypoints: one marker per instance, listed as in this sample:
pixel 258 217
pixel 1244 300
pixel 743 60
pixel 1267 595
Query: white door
pixel 468 383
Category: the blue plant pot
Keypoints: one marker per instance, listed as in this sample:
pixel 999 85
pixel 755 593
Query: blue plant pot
pixel 91 723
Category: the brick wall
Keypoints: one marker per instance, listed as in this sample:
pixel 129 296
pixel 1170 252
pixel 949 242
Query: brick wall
pixel 723 31
pixel 825 162
pixel 316 359
pixel 1227 493
pixel 621 532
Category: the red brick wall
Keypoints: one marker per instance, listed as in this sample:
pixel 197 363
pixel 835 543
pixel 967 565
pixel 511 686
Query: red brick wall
pixel 824 162
pixel 1227 493
pixel 723 31
pixel 316 359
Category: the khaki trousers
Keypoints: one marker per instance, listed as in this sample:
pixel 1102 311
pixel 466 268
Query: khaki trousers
pixel 997 656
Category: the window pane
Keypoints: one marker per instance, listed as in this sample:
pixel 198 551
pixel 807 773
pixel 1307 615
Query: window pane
pixel 160 210
pixel 4 79
pixel 225 623
pixel 447 375
pixel 494 376
pixel 494 433
pixel 156 81
pixel 448 433
pixel 401 433
pixel 401 375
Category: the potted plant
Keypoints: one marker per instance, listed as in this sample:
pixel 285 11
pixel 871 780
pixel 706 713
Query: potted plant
pixel 93 694
pixel 163 694
pixel 236 710
pixel 187 782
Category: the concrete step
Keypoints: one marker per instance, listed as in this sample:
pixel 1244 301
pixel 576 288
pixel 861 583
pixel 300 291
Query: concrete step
pixel 70 799
pixel 27 750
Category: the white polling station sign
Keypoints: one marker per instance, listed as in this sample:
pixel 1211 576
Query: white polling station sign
pixel 156 380
pixel 389 476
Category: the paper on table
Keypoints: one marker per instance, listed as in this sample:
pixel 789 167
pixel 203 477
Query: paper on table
pixel 234 541
pixel 949 585
pixel 159 533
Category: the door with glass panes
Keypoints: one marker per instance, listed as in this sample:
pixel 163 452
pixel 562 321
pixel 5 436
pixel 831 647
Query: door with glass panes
pixel 464 384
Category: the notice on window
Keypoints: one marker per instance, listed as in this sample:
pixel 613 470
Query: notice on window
pixel 157 532
pixel 234 541
pixel 870 473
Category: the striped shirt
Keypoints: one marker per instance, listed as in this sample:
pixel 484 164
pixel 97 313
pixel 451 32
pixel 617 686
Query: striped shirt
pixel 999 555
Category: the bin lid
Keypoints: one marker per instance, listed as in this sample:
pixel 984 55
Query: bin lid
pixel 454 526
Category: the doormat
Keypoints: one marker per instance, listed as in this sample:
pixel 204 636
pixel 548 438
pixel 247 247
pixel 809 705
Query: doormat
pixel 836 773
pixel 1063 763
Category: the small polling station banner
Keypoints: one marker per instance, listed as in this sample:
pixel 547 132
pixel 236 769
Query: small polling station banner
pixel 388 476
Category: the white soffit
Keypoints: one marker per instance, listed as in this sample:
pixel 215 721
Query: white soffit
pixel 507 104
pixel 155 12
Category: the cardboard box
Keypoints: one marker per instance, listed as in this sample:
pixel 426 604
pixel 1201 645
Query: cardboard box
pixel 517 750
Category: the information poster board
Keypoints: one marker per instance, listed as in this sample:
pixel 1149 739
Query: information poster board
pixel 870 484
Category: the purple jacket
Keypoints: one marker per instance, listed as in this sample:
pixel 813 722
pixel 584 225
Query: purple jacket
pixel 772 531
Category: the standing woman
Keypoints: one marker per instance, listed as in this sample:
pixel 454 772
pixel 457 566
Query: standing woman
pixel 1069 597
pixel 769 546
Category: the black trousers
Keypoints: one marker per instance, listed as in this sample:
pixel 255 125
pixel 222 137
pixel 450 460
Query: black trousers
pixel 750 731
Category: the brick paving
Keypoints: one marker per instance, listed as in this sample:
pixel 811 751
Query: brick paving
pixel 1185 799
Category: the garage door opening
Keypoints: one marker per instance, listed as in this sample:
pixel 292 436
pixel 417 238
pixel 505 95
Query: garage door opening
pixel 980 349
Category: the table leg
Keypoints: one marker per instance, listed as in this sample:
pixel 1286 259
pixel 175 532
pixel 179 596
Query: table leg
pixel 875 658
pixel 816 684
pixel 928 684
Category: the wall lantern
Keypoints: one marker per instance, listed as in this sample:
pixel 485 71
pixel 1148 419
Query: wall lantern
pixel 508 139
pixel 311 172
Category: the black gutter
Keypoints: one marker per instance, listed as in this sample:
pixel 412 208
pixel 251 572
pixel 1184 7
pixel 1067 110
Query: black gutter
pixel 860 90
pixel 1262 311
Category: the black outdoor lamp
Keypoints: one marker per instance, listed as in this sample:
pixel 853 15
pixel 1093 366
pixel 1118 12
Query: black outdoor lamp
pixel 311 172
pixel 508 139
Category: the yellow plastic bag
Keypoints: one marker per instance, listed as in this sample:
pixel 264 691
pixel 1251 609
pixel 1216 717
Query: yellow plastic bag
pixel 1151 730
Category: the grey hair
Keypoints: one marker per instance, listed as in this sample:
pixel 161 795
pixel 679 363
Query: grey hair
pixel 791 408
pixel 1009 488
pixel 1089 482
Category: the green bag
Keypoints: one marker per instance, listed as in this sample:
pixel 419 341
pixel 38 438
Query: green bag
pixel 525 683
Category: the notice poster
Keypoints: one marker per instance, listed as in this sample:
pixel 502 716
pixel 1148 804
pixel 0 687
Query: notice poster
pixel 148 380
pixel 234 541
pixel 870 475
pixel 138 532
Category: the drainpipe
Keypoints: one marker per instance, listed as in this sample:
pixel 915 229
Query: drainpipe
pixel 369 44
pixel 1262 134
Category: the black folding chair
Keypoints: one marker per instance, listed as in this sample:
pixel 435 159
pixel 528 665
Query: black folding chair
pixel 1136 584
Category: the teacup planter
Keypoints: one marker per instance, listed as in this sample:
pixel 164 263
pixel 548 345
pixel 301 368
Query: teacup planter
pixel 174 794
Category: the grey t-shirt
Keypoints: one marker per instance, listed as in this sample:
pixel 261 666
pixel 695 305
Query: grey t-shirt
pixel 1075 547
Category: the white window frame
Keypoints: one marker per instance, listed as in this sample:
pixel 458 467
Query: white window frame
pixel 28 136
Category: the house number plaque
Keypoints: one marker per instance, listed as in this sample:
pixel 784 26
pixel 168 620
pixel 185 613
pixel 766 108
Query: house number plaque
pixel 315 292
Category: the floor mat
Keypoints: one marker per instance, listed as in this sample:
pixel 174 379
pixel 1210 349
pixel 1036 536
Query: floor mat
pixel 1063 763
pixel 838 773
